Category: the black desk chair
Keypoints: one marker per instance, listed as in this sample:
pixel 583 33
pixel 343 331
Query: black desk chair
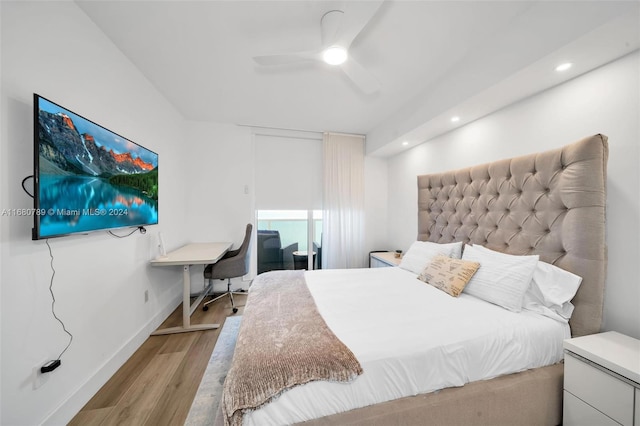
pixel 271 255
pixel 234 263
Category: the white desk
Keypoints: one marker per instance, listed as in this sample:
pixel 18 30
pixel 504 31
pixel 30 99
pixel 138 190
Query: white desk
pixel 187 255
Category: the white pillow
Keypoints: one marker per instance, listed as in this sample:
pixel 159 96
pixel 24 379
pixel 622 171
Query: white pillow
pixel 420 254
pixel 502 278
pixel 551 291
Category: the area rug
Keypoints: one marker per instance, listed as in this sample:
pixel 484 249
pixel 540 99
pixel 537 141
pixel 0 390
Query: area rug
pixel 205 404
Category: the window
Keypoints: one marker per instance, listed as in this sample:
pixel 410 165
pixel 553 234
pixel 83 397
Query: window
pixel 283 239
pixel 288 201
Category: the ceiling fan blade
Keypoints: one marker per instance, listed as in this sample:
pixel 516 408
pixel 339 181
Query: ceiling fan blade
pixel 287 58
pixel 356 17
pixel 362 78
pixel 330 26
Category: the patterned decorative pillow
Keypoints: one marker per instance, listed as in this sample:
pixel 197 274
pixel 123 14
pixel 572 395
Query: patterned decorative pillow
pixel 449 275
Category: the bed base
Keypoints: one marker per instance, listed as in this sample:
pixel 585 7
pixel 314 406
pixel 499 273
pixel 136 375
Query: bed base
pixel 532 397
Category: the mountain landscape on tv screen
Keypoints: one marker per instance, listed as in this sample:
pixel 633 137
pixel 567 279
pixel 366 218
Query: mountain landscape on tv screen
pixel 89 170
pixel 67 152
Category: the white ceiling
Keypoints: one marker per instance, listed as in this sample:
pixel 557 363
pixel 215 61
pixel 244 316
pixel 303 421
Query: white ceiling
pixel 432 59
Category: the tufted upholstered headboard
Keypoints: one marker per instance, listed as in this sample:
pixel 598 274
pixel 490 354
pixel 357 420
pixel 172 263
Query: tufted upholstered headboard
pixel 551 204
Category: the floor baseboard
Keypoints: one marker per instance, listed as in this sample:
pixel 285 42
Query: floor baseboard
pixel 74 403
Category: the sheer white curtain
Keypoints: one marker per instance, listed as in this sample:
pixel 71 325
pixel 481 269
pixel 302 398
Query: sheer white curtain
pixel 343 201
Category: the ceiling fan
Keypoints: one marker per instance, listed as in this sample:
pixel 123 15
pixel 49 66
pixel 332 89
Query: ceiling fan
pixel 338 30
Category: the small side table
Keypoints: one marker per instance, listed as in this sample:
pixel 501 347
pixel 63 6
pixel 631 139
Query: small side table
pixel 301 259
pixel 383 259
pixel 601 380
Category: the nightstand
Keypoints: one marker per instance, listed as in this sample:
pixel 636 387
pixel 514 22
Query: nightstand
pixel 602 380
pixel 383 259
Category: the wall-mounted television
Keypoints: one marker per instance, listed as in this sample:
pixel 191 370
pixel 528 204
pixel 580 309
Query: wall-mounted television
pixel 86 177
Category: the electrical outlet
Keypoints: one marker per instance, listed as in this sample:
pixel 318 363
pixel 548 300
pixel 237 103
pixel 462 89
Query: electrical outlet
pixel 37 378
pixel 146 296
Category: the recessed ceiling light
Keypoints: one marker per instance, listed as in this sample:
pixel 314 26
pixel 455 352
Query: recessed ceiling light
pixel 455 119
pixel 564 67
pixel 405 143
pixel 335 55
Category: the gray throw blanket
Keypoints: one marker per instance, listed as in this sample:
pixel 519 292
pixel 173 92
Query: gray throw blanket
pixel 283 342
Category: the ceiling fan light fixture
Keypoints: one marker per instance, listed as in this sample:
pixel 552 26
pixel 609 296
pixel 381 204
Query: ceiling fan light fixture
pixel 564 67
pixel 334 55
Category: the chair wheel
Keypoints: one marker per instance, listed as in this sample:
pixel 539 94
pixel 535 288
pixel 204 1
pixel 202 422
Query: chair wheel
pixel 235 310
pixel 205 308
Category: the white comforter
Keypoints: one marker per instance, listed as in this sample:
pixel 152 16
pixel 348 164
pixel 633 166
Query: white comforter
pixel 411 338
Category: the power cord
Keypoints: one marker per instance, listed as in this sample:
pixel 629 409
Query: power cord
pixel 24 188
pixel 53 364
pixel 142 230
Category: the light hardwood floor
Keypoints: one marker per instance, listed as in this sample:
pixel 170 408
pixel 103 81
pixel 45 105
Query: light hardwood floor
pixel 156 386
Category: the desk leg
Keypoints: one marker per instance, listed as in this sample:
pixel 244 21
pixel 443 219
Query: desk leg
pixel 187 309
pixel 186 292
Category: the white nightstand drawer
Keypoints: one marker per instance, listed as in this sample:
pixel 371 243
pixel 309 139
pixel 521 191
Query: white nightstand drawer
pixel 578 413
pixel 602 391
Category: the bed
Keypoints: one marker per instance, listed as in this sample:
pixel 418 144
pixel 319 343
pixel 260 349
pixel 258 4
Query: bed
pixel 550 205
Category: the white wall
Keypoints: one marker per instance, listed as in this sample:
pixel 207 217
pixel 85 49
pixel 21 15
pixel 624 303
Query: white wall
pixel 606 100
pixel 217 207
pixel 52 48
pixel 376 204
